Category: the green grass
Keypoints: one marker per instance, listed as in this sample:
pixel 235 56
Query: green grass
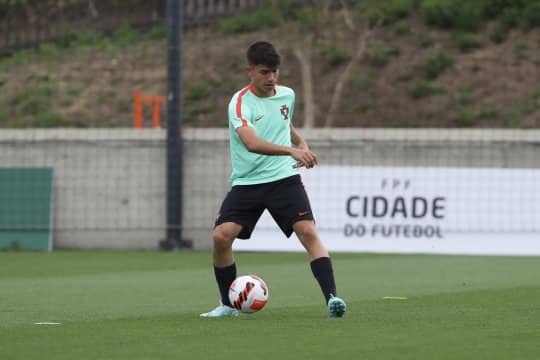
pixel 145 306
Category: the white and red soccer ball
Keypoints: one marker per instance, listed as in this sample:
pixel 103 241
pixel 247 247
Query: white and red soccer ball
pixel 248 293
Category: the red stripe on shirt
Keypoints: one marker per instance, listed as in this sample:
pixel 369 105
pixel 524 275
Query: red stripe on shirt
pixel 239 105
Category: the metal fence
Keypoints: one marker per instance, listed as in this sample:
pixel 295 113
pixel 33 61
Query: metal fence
pixel 44 21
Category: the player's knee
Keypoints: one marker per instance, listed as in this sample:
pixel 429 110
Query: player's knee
pixel 306 232
pixel 223 238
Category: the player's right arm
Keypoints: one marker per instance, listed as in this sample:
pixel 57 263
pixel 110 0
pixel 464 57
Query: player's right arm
pixel 257 145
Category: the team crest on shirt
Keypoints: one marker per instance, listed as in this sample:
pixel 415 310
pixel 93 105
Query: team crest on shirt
pixel 285 112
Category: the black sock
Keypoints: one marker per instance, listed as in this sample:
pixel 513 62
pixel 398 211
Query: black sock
pixel 323 272
pixel 224 278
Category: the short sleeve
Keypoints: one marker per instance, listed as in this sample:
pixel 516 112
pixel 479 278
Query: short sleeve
pixel 239 113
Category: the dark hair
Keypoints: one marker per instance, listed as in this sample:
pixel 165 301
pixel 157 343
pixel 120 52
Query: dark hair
pixel 263 53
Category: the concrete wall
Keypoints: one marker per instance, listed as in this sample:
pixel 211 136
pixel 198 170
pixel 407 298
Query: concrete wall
pixel 110 183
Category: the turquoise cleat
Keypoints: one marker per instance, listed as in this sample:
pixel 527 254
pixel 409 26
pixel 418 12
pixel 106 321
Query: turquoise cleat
pixel 221 311
pixel 336 307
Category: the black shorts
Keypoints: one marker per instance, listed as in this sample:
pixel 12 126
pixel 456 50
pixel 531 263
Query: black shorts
pixel 286 200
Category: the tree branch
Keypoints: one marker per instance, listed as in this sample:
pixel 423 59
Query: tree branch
pixel 304 58
pixel 340 84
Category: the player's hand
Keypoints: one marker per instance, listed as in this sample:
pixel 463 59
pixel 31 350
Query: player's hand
pixel 304 157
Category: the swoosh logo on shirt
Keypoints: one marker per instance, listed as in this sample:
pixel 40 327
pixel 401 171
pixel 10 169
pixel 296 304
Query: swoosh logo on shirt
pixel 259 118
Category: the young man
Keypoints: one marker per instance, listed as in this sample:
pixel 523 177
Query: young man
pixel 265 176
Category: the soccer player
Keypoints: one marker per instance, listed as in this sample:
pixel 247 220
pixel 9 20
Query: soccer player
pixel 265 176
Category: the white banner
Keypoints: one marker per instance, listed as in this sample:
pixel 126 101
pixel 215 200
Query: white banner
pixel 416 210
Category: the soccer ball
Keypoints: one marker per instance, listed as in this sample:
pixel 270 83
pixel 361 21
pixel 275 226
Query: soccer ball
pixel 248 293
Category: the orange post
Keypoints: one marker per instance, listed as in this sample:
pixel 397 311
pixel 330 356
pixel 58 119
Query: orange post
pixel 137 110
pixel 138 101
pixel 156 102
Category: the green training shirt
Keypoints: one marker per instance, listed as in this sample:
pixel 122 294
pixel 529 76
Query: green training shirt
pixel 271 119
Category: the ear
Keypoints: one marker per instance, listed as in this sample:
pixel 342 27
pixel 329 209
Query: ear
pixel 249 70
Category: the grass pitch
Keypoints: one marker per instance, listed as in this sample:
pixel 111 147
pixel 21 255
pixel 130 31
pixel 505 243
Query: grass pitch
pixel 138 305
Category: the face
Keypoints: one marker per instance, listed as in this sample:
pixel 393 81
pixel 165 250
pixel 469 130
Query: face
pixel 263 79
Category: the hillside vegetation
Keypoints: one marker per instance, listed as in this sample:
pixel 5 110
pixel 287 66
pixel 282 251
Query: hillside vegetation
pixel 426 63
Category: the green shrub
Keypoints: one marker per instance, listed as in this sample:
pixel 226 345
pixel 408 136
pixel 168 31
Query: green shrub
pixel 466 42
pixel 385 12
pixel 402 28
pixel 512 119
pixel 122 36
pixel 48 120
pixel 87 39
pixel 35 100
pixel 467 117
pixel 265 17
pixel 394 10
pixel 495 8
pixel 471 15
pixel 435 65
pixel 464 97
pixel 32 105
pixel 306 18
pixel 441 13
pixel 500 33
pixel 422 89
pixel 198 91
pixel 48 49
pixel 158 32
pixel 244 23
pixel 448 14
pixel 381 54
pixel 470 117
pixel 486 113
pixel 125 35
pixel 531 15
pixel 510 17
pixel 333 55
pixel 374 18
